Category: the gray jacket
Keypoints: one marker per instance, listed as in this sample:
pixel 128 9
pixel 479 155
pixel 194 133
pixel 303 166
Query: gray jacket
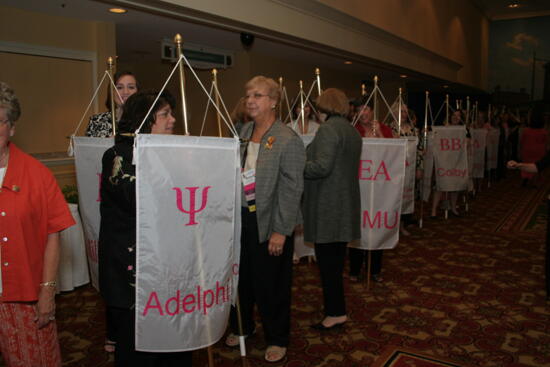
pixel 332 201
pixel 279 179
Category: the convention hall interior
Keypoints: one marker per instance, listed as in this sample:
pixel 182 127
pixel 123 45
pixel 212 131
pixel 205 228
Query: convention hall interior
pixel 466 290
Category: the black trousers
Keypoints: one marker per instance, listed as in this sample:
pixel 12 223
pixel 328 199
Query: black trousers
pixel 358 257
pixel 331 258
pixel 110 315
pixel 125 351
pixel 266 281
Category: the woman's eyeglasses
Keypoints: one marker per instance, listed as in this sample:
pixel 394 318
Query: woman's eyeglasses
pixel 255 96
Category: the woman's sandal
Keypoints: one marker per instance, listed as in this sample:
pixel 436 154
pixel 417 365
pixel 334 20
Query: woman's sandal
pixel 232 340
pixel 109 346
pixel 274 353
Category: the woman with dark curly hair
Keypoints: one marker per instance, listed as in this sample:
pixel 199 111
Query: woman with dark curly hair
pixel 117 234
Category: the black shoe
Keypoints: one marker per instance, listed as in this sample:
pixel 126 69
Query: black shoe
pixel 320 326
pixel 411 222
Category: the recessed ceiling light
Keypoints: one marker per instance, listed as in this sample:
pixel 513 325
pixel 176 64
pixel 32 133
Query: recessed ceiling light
pixel 118 10
pixel 513 5
pixel 403 76
pixel 347 62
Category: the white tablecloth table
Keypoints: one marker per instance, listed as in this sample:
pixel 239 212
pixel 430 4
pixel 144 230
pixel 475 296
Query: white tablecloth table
pixel 73 264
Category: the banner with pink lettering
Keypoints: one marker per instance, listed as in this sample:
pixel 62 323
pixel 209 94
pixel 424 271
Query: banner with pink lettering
pixel 451 158
pixel 407 206
pixel 470 158
pixel 88 153
pixel 381 180
pixel 493 137
pixel 188 239
pixel 479 137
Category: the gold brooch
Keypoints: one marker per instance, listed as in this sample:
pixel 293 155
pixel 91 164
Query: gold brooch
pixel 15 188
pixel 269 143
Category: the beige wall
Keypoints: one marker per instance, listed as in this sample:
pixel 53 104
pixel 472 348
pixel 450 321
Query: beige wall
pixel 453 28
pixel 54 86
pixel 447 39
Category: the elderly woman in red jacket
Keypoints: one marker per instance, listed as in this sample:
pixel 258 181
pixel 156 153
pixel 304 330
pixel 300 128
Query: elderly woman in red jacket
pixel 32 213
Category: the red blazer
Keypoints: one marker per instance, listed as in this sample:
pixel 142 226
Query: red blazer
pixel 31 207
pixel 386 131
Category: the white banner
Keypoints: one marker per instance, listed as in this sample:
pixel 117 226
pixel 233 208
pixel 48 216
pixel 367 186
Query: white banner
pixel 87 155
pixel 479 137
pixel 188 240
pixel 470 158
pixel 407 206
pixel 493 137
pixel 381 180
pixel 451 158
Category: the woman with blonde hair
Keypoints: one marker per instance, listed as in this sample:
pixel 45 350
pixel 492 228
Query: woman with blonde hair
pixel 332 200
pixel 273 158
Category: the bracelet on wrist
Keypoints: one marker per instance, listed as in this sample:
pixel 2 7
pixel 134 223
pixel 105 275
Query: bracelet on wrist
pixel 51 284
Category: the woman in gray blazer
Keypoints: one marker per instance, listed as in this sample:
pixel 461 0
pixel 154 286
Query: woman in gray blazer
pixel 273 159
pixel 332 202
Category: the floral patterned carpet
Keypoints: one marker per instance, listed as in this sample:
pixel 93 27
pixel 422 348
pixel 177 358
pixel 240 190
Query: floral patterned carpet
pixel 469 290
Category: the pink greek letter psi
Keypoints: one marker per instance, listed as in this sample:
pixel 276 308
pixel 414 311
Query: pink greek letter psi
pixel 192 208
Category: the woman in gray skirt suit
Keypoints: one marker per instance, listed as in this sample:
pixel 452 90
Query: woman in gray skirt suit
pixel 332 200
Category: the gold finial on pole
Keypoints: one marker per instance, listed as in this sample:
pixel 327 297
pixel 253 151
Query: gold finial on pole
pixel 217 100
pixel 363 89
pixel 281 98
pixel 179 42
pixel 302 114
pixel 318 76
pixel 375 91
pixel 447 109
pixel 400 104
pixel 110 65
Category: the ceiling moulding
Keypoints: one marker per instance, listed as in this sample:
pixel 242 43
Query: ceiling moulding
pixel 351 38
pixel 520 15
pixel 372 33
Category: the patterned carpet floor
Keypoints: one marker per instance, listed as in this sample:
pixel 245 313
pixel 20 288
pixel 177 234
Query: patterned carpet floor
pixel 468 290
